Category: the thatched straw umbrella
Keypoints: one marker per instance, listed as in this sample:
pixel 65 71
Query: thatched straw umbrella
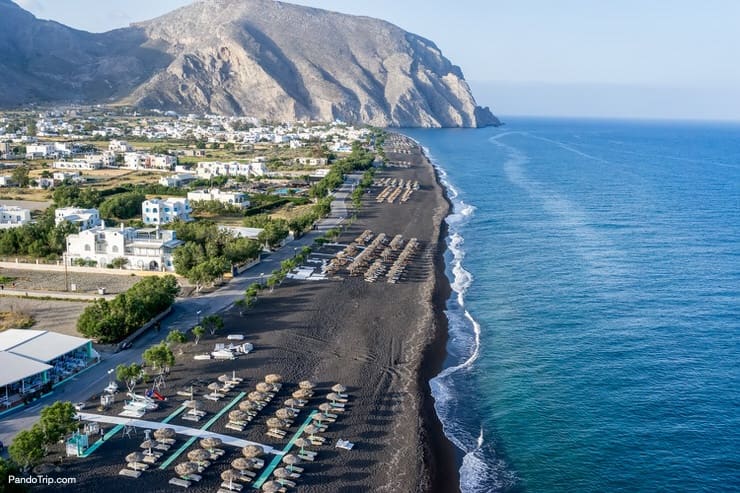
pixel 339 388
pixel 230 475
pixel 192 404
pixel 247 406
pixel 224 378
pixel 276 423
pixel 271 487
pixel 213 387
pixel 241 464
pixel 256 396
pixel 164 433
pixel 311 430
pixel 292 403
pixel 237 415
pixel 263 387
pixel 199 455
pixel 302 443
pixel 135 457
pixel 306 384
pixel 185 469
pixel 320 418
pixel 325 407
pixel 210 443
pixel 301 394
pixel 333 397
pixel 291 460
pixel 273 378
pixel 285 413
pixel 252 451
pixel 148 445
pixel 281 473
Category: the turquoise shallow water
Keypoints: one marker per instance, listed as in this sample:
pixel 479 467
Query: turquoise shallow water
pixel 595 323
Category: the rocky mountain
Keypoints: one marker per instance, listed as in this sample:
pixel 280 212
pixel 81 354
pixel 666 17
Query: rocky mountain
pixel 254 57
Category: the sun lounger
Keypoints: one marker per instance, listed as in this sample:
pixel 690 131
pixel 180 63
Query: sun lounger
pixel 202 356
pixel 195 477
pixel 180 482
pixel 129 473
pixel 295 471
pixel 192 417
pixel 235 426
pixel 345 444
pixel 247 476
pixel 217 452
pixel 132 414
pixel 232 486
pixel 150 459
pixel 274 435
pixel 212 397
pixel 137 466
pixel 286 482
pixel 309 458
pixel 163 446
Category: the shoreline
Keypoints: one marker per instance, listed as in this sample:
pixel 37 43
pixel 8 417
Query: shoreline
pixel 443 459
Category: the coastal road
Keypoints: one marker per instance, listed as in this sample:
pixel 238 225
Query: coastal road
pixel 185 314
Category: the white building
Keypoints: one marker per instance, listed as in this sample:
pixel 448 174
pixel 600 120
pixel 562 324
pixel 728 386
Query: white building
pixel 13 217
pixel 177 180
pixel 214 194
pixel 312 161
pixel 79 164
pixel 7 181
pixel 139 160
pixel 209 169
pixel 40 151
pixel 144 249
pixel 119 146
pixel 163 211
pixel 83 218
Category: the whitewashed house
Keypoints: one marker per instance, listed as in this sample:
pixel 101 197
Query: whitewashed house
pixel 144 249
pixel 78 164
pixel 163 211
pixel 140 160
pixel 13 217
pixel 177 180
pixel 214 194
pixel 119 146
pixel 83 218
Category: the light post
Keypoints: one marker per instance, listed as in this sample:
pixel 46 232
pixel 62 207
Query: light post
pixel 198 317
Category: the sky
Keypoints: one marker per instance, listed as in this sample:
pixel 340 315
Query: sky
pixel 631 58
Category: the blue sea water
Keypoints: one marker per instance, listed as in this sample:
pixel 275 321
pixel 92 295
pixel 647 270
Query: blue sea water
pixel 595 319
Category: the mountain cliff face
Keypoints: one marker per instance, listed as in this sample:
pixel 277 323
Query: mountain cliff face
pixel 253 57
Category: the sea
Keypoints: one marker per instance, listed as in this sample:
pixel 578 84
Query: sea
pixel 594 324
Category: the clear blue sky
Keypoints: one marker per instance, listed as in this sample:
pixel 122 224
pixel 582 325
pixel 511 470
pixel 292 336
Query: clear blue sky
pixel 669 58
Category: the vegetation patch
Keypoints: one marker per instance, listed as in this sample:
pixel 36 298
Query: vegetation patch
pixel 15 320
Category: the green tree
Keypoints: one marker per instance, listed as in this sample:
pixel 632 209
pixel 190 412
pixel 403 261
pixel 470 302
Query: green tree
pixel 8 469
pixel 129 375
pixel 176 337
pixel 119 262
pixel 212 323
pixel 27 448
pixel 57 420
pixel 198 332
pixel 20 176
pixel 159 357
pixel 122 206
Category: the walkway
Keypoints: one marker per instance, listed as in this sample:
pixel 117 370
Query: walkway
pixel 182 430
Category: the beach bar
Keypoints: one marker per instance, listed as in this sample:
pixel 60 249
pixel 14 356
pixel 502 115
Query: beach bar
pixel 33 360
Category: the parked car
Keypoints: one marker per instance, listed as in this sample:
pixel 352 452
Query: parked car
pixel 79 406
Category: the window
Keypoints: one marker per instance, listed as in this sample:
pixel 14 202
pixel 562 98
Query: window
pixel 115 249
pixel 147 209
pixel 87 248
pixel 167 209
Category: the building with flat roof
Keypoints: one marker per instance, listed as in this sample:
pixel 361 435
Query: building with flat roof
pixel 83 218
pixel 163 211
pixel 13 217
pixel 31 360
pixel 236 199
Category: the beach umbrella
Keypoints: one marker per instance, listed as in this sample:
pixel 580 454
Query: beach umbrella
pixel 230 475
pixel 210 443
pixel 320 418
pixel 302 443
pixel 339 388
pixel 223 378
pixel 326 407
pixel 237 415
pixel 284 413
pixel 301 394
pixel 273 378
pixel 281 473
pixel 292 403
pixel 199 455
pixel 276 423
pixel 241 464
pixel 263 387
pixel 247 406
pixel 256 396
pixel 333 397
pixel 214 386
pixel 185 469
pixel 135 457
pixel 306 384
pixel 163 433
pixel 271 487
pixel 252 451
pixel 291 460
pixel 148 444
pixel 311 430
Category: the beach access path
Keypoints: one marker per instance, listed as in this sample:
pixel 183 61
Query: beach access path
pixel 185 314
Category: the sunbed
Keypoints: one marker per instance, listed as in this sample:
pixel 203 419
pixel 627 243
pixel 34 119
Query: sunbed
pixel 180 482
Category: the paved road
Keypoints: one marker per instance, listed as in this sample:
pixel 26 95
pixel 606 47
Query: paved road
pixel 185 314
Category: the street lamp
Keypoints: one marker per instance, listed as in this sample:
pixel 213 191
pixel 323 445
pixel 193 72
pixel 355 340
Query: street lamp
pixel 198 315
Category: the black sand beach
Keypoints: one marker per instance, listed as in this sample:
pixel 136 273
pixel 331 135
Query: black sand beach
pixel 383 341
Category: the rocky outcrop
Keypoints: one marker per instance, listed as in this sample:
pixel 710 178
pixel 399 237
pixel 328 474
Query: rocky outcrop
pixel 252 57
